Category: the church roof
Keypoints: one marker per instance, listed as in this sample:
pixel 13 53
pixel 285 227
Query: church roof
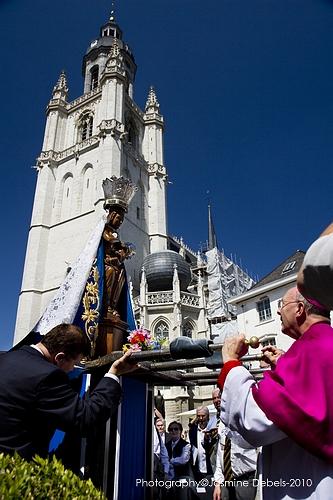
pixel 159 268
pixel 288 267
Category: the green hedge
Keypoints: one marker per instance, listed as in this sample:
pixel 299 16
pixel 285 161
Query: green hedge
pixel 42 479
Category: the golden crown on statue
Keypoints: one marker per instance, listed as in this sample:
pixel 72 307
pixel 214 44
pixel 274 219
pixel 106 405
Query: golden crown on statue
pixel 118 191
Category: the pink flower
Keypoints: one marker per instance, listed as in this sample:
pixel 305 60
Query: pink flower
pixel 135 347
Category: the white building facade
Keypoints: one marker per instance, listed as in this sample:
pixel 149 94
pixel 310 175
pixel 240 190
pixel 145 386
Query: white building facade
pixel 257 308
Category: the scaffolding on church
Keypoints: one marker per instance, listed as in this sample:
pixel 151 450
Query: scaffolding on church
pixel 226 279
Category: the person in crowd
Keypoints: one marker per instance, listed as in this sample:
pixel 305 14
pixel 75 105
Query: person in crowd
pixel 290 412
pixel 202 438
pixel 161 460
pixel 160 439
pixel 212 430
pixel 179 452
pixel 235 456
pixel 36 397
pixel 160 426
pixel 216 398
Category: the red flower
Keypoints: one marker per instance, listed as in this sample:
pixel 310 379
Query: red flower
pixel 138 338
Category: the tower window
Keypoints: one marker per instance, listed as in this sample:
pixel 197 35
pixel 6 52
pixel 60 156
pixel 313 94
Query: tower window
pixel 85 127
pixel 138 213
pixel 94 77
pixel 264 309
pixel 87 193
pixel 132 133
pixel 66 197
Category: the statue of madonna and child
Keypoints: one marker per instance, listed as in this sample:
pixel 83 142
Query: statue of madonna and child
pixel 94 294
pixel 112 327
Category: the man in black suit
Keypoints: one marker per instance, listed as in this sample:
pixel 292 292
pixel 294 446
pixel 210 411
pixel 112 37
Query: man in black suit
pixel 179 451
pixel 36 397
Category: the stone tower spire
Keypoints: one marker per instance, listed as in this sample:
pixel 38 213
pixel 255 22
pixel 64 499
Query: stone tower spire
pixel 60 90
pixel 152 104
pixel 113 11
pixel 96 57
pixel 212 240
pixel 153 151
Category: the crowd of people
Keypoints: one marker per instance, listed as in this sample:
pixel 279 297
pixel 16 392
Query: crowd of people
pixel 201 462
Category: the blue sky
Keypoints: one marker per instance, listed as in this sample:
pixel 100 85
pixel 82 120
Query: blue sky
pixel 247 96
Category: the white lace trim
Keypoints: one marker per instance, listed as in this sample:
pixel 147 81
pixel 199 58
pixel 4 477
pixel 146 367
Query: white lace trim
pixel 63 307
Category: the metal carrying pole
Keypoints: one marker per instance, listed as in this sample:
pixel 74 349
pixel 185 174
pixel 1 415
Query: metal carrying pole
pixel 169 364
pixel 183 364
pixel 162 357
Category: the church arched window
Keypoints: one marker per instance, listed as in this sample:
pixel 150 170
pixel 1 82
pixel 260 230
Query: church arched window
pixel 132 132
pixel 66 202
pixel 187 329
pixel 87 188
pixel 94 72
pixel 161 330
pixel 86 127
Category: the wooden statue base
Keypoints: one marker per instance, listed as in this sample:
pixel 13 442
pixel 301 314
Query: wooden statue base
pixel 112 335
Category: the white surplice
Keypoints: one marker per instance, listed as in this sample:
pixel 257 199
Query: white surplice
pixel 287 470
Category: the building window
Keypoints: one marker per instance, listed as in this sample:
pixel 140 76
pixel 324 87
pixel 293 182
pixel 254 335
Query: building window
pixel 94 78
pixel 161 331
pixel 138 213
pixel 66 201
pixel 132 133
pixel 85 127
pixel 288 267
pixel 87 193
pixel 187 330
pixel 264 309
pixel 268 341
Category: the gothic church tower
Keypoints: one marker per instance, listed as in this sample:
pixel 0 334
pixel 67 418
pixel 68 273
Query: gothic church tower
pixel 100 134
